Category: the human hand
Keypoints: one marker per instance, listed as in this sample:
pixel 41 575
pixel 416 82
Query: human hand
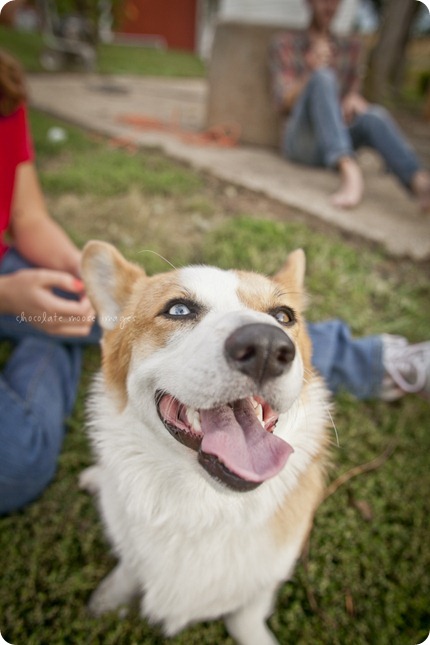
pixel 352 105
pixel 28 294
pixel 319 54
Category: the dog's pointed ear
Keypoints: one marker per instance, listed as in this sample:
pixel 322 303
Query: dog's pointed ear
pixel 292 274
pixel 109 281
pixel 294 269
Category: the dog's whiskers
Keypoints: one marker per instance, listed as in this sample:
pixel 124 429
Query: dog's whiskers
pixel 160 256
pixel 311 372
pixel 170 407
pixel 327 409
pixel 159 395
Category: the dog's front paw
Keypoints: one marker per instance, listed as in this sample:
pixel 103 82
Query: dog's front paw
pixel 115 591
pixel 89 479
pixel 104 599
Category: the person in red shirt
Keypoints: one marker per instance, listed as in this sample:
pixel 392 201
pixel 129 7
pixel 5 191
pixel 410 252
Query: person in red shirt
pixel 44 311
pixel 23 214
pixel 316 79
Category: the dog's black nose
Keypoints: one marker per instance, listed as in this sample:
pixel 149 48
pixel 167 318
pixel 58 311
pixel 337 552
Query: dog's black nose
pixel 259 350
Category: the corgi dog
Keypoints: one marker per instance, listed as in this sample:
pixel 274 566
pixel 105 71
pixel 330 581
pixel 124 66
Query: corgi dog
pixel 209 427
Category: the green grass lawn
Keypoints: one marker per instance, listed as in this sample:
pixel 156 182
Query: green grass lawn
pixel 366 579
pixel 111 59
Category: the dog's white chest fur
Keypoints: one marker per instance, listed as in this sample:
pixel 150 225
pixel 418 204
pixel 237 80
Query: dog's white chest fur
pixel 209 429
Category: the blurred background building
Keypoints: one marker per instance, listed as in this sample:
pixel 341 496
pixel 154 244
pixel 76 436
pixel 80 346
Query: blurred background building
pixel 190 24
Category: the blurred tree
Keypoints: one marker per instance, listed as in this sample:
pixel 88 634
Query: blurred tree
pixel 386 63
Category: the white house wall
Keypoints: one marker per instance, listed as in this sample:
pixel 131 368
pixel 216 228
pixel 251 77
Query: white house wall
pixel 288 13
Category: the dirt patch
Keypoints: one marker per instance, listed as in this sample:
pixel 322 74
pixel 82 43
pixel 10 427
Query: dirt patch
pixel 136 221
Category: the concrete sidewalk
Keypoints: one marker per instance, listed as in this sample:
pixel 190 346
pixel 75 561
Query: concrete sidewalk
pixel 386 216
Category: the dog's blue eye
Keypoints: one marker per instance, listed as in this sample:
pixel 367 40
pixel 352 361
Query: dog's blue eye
pixel 179 309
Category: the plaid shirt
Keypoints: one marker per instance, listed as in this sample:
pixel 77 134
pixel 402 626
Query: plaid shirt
pixel 288 63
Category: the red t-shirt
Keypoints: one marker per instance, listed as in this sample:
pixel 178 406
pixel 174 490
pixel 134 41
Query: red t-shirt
pixel 15 147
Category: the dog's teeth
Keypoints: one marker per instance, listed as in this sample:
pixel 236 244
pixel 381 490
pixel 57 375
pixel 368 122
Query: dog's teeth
pixel 190 415
pixel 258 409
pixel 193 417
pixel 259 412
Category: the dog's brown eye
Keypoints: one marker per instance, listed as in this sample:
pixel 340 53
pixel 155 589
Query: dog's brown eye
pixel 284 315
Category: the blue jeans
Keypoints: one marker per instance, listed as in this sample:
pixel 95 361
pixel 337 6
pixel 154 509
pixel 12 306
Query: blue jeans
pixel 38 388
pixel 316 135
pixel 351 364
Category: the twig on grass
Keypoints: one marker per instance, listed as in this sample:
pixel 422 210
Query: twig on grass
pixel 360 470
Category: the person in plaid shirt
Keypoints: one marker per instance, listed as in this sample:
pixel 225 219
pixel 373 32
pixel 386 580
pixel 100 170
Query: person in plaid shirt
pixel 316 79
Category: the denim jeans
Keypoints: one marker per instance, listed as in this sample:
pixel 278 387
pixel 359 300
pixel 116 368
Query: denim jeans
pixel 316 135
pixel 38 388
pixel 351 364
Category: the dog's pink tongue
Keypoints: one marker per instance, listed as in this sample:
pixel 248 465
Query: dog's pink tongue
pixel 236 437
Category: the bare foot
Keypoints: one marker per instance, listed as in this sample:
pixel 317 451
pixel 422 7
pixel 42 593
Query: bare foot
pixel 420 185
pixel 351 186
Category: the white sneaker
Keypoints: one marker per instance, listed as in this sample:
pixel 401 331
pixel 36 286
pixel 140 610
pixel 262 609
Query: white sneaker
pixel 407 368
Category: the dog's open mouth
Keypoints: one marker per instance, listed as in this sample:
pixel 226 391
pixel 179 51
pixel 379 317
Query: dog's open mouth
pixel 235 442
